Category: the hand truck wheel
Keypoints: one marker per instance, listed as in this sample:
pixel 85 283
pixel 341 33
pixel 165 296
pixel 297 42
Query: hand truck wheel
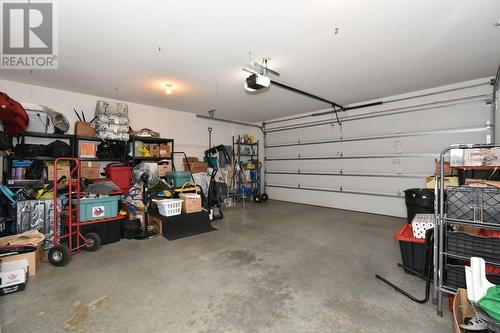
pixel 93 242
pixel 257 198
pixel 264 197
pixel 59 255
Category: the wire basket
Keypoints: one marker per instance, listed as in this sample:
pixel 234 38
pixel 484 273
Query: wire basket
pixel 169 207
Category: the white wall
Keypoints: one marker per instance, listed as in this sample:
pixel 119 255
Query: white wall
pixel 190 133
pixel 463 115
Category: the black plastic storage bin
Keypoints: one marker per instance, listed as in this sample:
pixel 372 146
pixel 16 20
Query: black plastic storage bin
pixel 490 205
pixel 462 201
pixel 473 204
pixel 455 277
pixel 412 249
pixel 467 245
pixel 419 201
pixel 110 232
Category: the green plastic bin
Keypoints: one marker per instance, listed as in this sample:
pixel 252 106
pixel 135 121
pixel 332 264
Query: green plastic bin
pixel 178 178
pixel 98 208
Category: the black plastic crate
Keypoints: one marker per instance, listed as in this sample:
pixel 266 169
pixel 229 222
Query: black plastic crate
pixel 467 245
pixel 461 202
pixel 455 277
pixel 491 205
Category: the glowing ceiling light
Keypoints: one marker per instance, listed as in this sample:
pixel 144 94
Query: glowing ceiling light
pixel 168 88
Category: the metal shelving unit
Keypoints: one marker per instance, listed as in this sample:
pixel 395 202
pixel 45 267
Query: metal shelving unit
pixel 252 154
pixel 441 250
pixel 76 150
pixel 8 159
pixel 149 140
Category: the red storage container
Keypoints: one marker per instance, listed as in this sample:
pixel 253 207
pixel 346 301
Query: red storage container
pixel 120 175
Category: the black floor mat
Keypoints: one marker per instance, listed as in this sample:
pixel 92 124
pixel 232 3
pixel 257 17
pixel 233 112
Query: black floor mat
pixel 185 225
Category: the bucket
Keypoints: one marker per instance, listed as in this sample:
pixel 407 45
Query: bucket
pixel 419 201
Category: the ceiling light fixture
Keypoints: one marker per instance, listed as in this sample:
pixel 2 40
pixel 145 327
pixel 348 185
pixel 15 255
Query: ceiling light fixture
pixel 168 88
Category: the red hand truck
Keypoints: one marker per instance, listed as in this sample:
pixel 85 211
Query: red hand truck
pixel 69 243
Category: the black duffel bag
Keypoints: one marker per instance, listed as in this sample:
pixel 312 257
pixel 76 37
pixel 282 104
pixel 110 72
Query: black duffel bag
pixel 58 148
pixel 111 149
pixel 22 149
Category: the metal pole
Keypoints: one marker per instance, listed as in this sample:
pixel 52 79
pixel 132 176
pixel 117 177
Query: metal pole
pixel 392 100
pixel 389 112
pixel 341 190
pixel 347 174
pixel 440 263
pixel 437 179
pixel 386 136
pixel 230 121
pixel 340 157
pixel 301 92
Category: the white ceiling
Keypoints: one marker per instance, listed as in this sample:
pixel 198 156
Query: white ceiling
pixel 383 48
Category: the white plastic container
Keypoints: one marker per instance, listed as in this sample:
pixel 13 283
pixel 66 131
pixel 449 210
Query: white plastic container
pixel 169 207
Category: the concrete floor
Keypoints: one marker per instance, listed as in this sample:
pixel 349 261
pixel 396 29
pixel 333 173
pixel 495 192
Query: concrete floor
pixel 274 267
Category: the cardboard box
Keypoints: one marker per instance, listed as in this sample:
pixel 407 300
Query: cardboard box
pixel 90 170
pixel 430 182
pixel 191 160
pixel 87 149
pixel 191 202
pixel 164 167
pixel 34 258
pixel 154 150
pixel 13 276
pixel 461 309
pixel 196 167
pixel 62 170
pixel 164 150
pixel 84 129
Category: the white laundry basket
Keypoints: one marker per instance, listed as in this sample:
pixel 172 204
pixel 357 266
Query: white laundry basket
pixel 169 207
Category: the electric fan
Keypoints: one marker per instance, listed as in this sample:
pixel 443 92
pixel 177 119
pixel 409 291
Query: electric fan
pixel 145 175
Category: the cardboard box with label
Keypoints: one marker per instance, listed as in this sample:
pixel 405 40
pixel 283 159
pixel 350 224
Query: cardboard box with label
pixel 154 150
pixel 191 202
pixel 90 170
pixel 164 150
pixel 164 167
pixel 62 170
pixel 87 149
pixel 13 276
pixel 34 258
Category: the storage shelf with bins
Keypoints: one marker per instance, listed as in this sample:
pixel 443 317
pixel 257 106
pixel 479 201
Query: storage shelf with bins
pixel 74 143
pixel 466 207
pixel 135 158
pixel 78 140
pixel 46 138
pixel 242 152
